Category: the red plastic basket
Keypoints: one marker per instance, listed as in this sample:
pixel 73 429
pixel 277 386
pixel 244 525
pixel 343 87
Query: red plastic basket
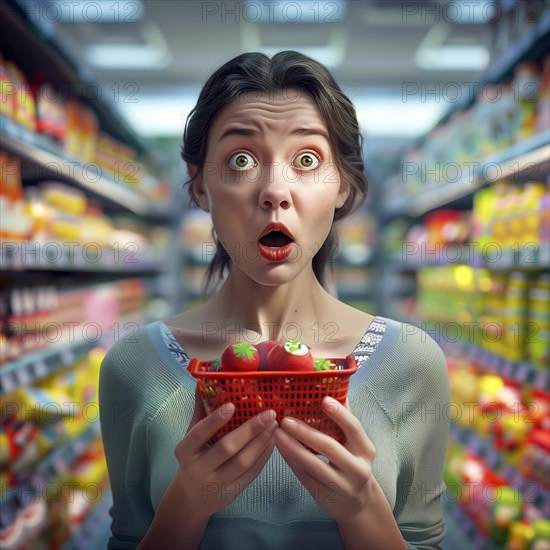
pixel 289 393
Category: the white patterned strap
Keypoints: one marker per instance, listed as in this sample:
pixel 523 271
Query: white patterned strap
pixel 174 347
pixel 370 340
pixel 362 351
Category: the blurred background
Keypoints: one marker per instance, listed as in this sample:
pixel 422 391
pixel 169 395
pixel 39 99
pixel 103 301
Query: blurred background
pixel 98 237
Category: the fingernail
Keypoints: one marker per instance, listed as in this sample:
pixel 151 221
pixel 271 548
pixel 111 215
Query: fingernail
pixel 227 409
pixel 290 421
pixel 268 416
pixel 330 406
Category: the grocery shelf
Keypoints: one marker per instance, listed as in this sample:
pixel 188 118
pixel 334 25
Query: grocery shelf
pixel 462 531
pixel 68 256
pixel 55 463
pixel 530 159
pixel 33 147
pixel 95 530
pixel 521 256
pixel 521 372
pixel 532 43
pixel 532 491
pixel 34 43
pixel 40 364
pixel 35 47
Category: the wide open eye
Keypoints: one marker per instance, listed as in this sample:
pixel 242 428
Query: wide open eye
pixel 307 161
pixel 241 161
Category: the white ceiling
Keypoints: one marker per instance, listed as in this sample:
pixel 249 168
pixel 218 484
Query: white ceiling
pixel 373 44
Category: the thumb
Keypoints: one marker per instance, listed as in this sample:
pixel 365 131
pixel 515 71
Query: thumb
pixel 199 413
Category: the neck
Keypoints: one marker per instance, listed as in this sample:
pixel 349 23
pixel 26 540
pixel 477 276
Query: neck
pixel 277 312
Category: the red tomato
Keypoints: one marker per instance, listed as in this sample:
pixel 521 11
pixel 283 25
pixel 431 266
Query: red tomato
pixel 291 355
pixel 240 356
pixel 263 349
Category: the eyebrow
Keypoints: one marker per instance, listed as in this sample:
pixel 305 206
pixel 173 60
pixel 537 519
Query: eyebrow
pixel 252 132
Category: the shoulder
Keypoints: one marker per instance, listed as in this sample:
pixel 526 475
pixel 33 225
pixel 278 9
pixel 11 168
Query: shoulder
pixel 139 361
pixel 133 345
pixel 417 344
pixel 411 344
pixel 411 368
pixel 139 375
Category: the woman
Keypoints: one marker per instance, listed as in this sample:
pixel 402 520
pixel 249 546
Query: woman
pixel 274 153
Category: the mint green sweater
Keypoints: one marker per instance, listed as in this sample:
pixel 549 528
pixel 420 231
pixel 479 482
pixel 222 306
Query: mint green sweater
pixel 400 395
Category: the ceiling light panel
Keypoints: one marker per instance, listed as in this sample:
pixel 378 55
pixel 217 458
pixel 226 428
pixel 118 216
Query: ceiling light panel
pixel 127 57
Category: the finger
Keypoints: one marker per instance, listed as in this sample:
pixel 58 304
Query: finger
pixel 199 413
pixel 337 454
pixel 201 433
pixel 228 489
pixel 314 474
pixel 248 456
pixel 357 441
pixel 231 444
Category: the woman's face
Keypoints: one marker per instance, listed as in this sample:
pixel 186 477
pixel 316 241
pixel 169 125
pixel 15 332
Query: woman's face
pixel 269 160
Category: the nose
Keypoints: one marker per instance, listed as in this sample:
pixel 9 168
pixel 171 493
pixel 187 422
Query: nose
pixel 275 189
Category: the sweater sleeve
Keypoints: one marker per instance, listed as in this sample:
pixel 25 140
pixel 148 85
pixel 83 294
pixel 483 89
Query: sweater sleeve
pixel 128 395
pixel 422 431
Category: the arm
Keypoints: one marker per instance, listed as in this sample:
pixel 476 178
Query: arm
pixel 374 527
pixel 168 529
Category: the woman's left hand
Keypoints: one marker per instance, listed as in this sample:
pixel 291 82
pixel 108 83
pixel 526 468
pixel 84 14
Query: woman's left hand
pixel 341 487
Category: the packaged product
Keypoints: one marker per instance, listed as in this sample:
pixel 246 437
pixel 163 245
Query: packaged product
pixel 89 130
pixel 541 540
pixel 506 509
pixel 497 117
pixel 526 88
pixel 538 324
pixel 51 119
pixel 74 131
pixel 23 101
pixel 82 131
pixel 516 317
pixel 535 459
pixel 543 112
pixel 7 91
pixel 15 222
pixel 12 527
pixel 520 535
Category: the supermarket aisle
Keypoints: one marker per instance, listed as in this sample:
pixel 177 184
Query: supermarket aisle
pixel 454 239
pixel 85 227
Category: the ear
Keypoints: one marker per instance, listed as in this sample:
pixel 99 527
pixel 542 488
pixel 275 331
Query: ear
pixel 343 194
pixel 197 187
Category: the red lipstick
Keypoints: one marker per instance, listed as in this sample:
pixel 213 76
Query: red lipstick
pixel 276 252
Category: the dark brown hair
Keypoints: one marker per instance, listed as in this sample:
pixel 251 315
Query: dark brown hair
pixel 254 73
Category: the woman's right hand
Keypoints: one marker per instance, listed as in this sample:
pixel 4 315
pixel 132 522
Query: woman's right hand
pixel 210 477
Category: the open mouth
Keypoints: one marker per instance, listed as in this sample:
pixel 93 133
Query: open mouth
pixel 275 239
pixel 276 243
